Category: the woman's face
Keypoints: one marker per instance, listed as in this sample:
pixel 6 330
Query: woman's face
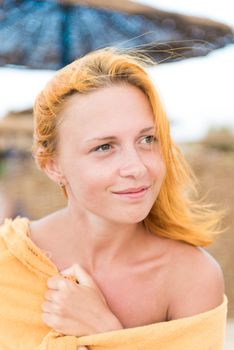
pixel 107 145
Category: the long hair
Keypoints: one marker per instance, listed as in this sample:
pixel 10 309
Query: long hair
pixel 177 213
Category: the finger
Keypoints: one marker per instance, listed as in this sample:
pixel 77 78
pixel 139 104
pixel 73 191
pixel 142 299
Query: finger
pixel 82 348
pixel 52 320
pixel 52 295
pixel 47 307
pixel 51 308
pixel 81 275
pixel 57 283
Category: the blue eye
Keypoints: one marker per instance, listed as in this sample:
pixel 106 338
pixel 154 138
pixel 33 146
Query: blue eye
pixel 151 138
pixel 106 147
pixel 102 148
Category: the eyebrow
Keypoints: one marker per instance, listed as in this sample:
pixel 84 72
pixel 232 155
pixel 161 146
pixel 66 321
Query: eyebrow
pixel 114 137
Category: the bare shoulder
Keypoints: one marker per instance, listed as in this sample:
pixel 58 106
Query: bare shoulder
pixel 42 229
pixel 195 281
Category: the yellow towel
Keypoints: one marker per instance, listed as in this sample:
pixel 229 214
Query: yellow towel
pixel 24 270
pixel 200 332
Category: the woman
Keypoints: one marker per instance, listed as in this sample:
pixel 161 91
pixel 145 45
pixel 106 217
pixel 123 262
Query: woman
pixel 131 233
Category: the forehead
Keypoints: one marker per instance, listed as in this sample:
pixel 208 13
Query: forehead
pixel 121 106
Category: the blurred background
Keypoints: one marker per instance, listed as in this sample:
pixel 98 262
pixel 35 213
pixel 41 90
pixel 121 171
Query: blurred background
pixel 193 45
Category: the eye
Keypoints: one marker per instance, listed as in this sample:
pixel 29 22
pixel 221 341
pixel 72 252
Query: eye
pixel 150 139
pixel 101 148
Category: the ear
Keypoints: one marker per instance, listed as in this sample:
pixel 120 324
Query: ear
pixel 54 171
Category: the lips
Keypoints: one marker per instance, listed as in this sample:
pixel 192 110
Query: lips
pixel 132 190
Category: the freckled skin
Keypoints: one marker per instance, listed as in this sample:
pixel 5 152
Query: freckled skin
pixel 130 161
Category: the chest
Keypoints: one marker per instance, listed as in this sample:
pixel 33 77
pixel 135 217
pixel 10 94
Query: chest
pixel 137 295
pixel 137 299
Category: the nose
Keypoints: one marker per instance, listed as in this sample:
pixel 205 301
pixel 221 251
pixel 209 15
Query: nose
pixel 132 165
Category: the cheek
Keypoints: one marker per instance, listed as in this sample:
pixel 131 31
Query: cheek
pixel 89 180
pixel 91 191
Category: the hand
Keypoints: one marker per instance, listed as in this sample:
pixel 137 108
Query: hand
pixel 77 309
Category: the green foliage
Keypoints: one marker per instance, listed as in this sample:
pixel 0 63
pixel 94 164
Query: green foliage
pixel 2 167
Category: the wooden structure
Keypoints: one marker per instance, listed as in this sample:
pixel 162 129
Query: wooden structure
pixel 16 130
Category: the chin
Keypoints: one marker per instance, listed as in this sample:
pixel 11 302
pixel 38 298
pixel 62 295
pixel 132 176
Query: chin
pixel 133 218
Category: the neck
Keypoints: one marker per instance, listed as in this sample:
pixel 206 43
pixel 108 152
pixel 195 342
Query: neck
pixel 93 238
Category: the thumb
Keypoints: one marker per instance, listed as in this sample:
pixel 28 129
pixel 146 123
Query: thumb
pixel 81 275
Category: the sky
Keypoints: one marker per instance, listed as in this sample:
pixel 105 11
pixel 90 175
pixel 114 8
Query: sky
pixel 197 92
pixel 214 9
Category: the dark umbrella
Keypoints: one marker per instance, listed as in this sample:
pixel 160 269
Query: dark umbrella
pixel 49 34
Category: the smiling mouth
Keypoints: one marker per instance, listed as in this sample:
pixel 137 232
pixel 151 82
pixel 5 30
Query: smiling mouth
pixel 137 194
pixel 133 190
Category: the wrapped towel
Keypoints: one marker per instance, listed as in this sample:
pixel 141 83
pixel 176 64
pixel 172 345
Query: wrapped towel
pixel 24 270
pixel 204 331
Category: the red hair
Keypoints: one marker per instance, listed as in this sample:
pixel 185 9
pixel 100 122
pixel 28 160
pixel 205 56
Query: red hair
pixel 176 214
